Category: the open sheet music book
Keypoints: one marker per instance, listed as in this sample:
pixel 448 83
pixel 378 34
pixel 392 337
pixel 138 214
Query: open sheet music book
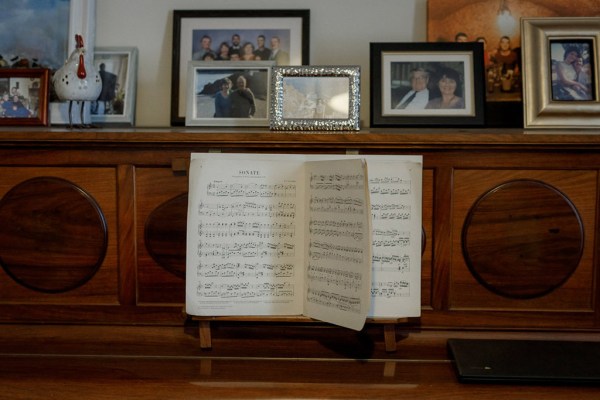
pixel 334 238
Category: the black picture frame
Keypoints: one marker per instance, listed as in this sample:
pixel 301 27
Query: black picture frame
pixel 292 26
pixel 392 65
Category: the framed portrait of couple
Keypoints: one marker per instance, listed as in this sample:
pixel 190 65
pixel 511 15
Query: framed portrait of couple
pixel 233 93
pixel 426 84
pixel 233 36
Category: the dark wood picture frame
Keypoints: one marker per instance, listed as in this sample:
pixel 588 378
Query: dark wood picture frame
pixel 24 105
pixel 187 24
pixel 391 68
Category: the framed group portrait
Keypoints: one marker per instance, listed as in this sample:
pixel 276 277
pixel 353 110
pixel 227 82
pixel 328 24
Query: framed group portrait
pixel 561 72
pixel 117 67
pixel 279 36
pixel 24 96
pixel 426 84
pixel 496 25
pixel 325 98
pixel 228 93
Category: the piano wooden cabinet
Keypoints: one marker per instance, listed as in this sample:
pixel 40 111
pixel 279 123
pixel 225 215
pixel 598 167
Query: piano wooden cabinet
pixel 92 223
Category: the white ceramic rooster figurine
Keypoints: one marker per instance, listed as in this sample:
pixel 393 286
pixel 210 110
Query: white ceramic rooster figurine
pixel 77 80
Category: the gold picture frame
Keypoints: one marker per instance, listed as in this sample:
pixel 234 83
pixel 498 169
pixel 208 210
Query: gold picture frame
pixel 544 105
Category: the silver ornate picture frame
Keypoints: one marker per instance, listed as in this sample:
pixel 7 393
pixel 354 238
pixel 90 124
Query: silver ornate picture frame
pixel 546 45
pixel 325 98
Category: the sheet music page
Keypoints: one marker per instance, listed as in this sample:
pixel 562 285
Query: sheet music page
pixel 395 186
pixel 245 236
pixel 339 243
pixel 396 192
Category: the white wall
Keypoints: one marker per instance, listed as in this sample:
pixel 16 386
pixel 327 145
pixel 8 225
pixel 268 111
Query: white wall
pixel 340 33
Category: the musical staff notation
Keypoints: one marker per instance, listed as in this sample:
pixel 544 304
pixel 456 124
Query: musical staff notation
pixel 334 300
pixel 394 211
pixel 246 229
pixel 222 189
pixel 336 182
pixel 245 290
pixel 390 186
pixel 332 228
pixel 247 209
pixel 246 250
pixel 390 238
pixel 342 205
pixel 391 263
pixel 335 277
pixel 245 270
pixel 328 251
pixel 390 289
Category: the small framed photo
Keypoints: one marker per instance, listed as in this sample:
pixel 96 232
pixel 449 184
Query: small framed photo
pixel 228 93
pixel 561 72
pixel 427 84
pixel 24 96
pixel 281 36
pixel 315 98
pixel 117 67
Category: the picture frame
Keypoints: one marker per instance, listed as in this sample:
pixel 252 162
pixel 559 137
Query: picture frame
pixel 228 93
pixel 117 67
pixel 489 21
pixel 290 29
pixel 60 21
pixel 561 59
pixel 325 98
pixel 406 84
pixel 24 96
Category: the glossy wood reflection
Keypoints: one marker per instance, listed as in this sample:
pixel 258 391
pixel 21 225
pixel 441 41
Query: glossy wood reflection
pixel 523 239
pixel 165 235
pixel 53 236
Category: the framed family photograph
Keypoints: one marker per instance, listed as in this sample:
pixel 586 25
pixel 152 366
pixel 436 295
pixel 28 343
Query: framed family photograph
pixel 24 96
pixel 280 36
pixel 426 84
pixel 228 93
pixel 117 67
pixel 315 98
pixel 560 72
pixel 46 36
pixel 496 24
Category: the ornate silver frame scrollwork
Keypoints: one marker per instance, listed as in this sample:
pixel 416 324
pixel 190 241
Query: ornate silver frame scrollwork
pixel 316 98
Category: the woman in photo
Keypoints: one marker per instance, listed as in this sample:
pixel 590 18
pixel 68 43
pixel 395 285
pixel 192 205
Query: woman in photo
pixel 223 100
pixel 448 85
pixel 247 52
pixel 569 77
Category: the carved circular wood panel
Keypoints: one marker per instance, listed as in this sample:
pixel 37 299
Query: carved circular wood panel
pixel 165 235
pixel 522 239
pixel 53 235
